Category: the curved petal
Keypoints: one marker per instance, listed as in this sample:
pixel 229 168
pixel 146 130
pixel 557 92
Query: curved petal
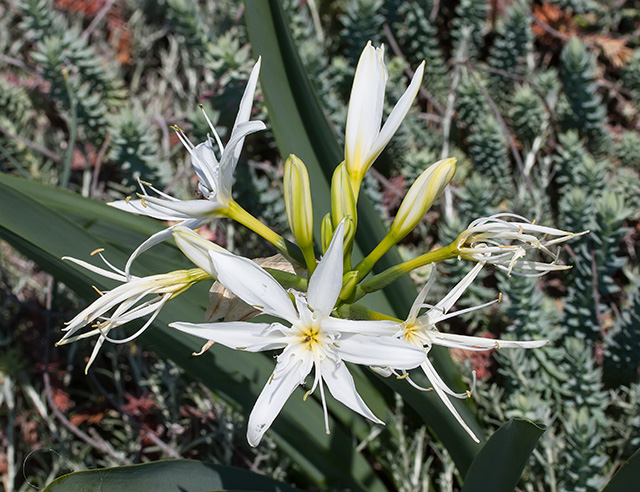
pixel 431 373
pixel 286 377
pixel 341 385
pixel 205 164
pixel 380 351
pixel 238 335
pixel 326 282
pixel 229 158
pixel 454 294
pixel 253 285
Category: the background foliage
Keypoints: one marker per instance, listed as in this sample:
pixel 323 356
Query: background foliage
pixel 539 103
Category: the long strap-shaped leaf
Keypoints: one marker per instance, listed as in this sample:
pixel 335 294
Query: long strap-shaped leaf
pixel 42 233
pixel 301 127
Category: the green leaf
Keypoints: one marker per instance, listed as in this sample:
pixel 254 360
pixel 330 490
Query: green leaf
pixel 43 234
pixel 627 477
pixel 500 462
pixel 301 128
pixel 166 476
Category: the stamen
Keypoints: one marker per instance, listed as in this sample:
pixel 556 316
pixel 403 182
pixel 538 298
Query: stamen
pixel 126 200
pixel 97 290
pixel 306 395
pixel 498 345
pixel 403 376
pixel 96 251
pixel 144 182
pixel 499 297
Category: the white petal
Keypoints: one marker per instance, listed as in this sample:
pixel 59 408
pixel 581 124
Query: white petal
pixel 253 285
pixel 380 351
pixel 326 282
pixel 397 114
pixel 362 327
pixel 150 210
pixel 430 372
pixel 186 209
pixel 480 343
pixel 364 115
pixel 238 335
pixel 196 248
pixel 341 385
pixel 230 156
pixel 244 111
pixel 205 164
pixel 454 294
pixel 286 377
pixel 422 295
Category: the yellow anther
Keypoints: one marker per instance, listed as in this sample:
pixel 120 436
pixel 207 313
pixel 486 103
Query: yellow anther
pixel 468 393
pixel 271 378
pixel 143 203
pixel 96 251
pixel 176 128
pixel 520 231
pixel 97 290
pixel 201 106
pixel 145 183
pixel 499 297
pixel 306 395
pixel 533 222
pixel 497 345
pixel 127 199
pixel 404 376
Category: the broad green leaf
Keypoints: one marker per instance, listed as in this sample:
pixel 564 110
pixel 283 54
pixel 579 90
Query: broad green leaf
pixel 45 235
pixel 301 128
pixel 499 464
pixel 166 476
pixel 627 477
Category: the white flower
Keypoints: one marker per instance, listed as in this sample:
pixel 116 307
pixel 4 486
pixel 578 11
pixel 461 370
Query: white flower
pixel 505 244
pixel 314 339
pixel 421 331
pixel 135 298
pixel 215 177
pixel 364 140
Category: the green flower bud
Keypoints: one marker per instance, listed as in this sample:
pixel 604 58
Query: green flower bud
pixel 343 203
pixel 423 192
pixel 297 200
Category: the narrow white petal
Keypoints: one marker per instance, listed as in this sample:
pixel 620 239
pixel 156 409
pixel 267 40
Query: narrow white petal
pixel 230 156
pixel 341 385
pixel 362 327
pixel 244 111
pixel 287 376
pixel 150 210
pixel 422 295
pixel 430 372
pixel 253 285
pixel 397 114
pixel 454 294
pixel 480 343
pixel 185 209
pixel 239 335
pixel 205 164
pixel 380 351
pixel 326 282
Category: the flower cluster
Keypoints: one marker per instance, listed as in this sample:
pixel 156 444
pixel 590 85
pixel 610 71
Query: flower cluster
pixel 314 331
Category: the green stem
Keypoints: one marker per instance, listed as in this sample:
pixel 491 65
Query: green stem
pixel 287 248
pixel 365 266
pixel 390 275
pixel 288 280
pixel 359 312
pixel 309 258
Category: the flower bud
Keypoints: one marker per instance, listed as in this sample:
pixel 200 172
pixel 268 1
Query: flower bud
pixel 423 192
pixel 196 248
pixel 297 200
pixel 343 203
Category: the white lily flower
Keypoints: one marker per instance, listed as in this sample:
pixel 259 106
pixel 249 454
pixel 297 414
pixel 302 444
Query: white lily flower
pixel 364 139
pixel 215 177
pixel 135 298
pixel 506 244
pixel 421 331
pixel 314 339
